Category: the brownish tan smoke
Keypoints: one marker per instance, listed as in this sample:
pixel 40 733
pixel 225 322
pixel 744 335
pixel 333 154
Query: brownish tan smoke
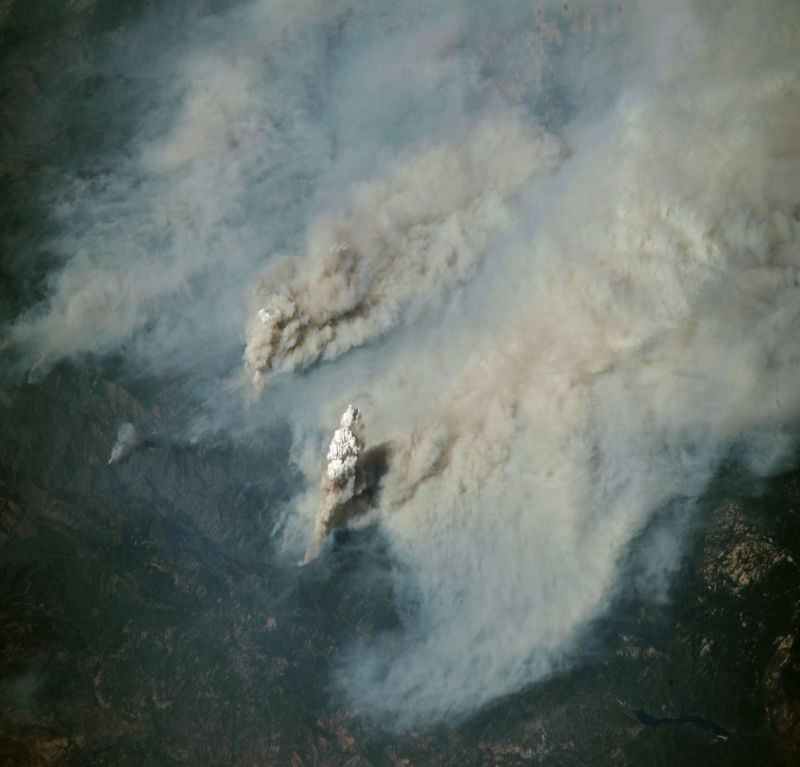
pixel 404 242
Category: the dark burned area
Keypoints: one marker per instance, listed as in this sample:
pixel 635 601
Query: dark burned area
pixel 144 619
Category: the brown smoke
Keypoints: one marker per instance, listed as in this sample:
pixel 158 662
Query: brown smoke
pixel 405 241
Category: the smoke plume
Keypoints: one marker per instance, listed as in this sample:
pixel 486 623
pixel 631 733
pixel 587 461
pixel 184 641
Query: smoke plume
pixel 553 254
pixel 343 478
pixel 126 441
pixel 406 242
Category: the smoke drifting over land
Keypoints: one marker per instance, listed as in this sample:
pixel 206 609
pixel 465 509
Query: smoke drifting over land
pixel 570 240
pixel 408 241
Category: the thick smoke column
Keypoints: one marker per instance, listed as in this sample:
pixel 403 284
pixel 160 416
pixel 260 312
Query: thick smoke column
pixel 405 242
pixel 343 478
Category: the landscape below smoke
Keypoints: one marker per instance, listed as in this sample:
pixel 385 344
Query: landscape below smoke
pixel 546 264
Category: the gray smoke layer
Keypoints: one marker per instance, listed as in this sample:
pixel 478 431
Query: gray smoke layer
pixel 552 254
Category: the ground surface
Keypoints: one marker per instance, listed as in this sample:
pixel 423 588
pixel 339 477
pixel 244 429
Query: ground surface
pixel 143 622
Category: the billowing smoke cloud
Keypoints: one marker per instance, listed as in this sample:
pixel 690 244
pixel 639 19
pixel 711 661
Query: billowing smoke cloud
pixel 567 241
pixel 643 329
pixel 406 241
pixel 343 479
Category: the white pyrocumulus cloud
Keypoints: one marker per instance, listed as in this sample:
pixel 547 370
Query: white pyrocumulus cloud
pixel 343 478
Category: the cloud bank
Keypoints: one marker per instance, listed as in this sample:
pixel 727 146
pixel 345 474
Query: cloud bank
pixel 553 256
